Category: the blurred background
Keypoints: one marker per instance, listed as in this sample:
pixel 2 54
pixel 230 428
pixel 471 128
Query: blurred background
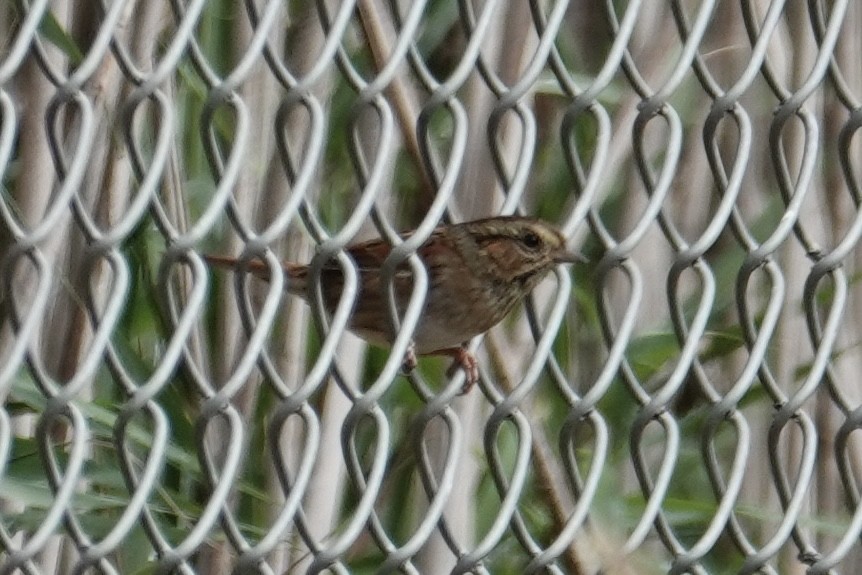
pixel 684 403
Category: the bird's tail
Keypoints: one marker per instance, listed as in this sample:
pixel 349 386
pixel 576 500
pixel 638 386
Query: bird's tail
pixel 294 274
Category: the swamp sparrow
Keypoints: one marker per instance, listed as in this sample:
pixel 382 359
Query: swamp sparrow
pixel 477 271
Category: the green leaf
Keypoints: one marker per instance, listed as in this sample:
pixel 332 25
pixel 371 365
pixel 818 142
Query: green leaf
pixel 54 33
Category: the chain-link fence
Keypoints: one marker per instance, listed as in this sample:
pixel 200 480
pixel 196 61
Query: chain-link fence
pixel 686 402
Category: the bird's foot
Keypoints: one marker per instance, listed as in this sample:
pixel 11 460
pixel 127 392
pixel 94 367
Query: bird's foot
pixel 466 361
pixel 410 361
pixel 463 359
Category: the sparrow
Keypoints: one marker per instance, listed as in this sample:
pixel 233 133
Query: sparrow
pixel 477 271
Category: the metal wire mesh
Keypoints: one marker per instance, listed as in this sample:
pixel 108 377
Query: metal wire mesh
pixel 684 404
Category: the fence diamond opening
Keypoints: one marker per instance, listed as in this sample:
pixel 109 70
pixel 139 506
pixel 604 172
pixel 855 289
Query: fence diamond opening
pixel 685 403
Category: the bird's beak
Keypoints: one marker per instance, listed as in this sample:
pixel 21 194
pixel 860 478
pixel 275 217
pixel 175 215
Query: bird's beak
pixel 570 257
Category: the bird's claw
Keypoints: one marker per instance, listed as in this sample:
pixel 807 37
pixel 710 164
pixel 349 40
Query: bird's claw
pixel 410 361
pixel 466 361
pixel 471 369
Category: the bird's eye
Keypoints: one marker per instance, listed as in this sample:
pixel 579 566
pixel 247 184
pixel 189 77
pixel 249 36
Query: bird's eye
pixel 531 240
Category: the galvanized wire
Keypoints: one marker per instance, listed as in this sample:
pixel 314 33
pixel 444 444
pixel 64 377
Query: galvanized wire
pixel 658 413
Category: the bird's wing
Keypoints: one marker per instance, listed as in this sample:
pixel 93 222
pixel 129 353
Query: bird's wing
pixel 369 255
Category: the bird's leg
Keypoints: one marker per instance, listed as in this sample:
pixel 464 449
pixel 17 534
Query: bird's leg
pixel 410 361
pixel 465 360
